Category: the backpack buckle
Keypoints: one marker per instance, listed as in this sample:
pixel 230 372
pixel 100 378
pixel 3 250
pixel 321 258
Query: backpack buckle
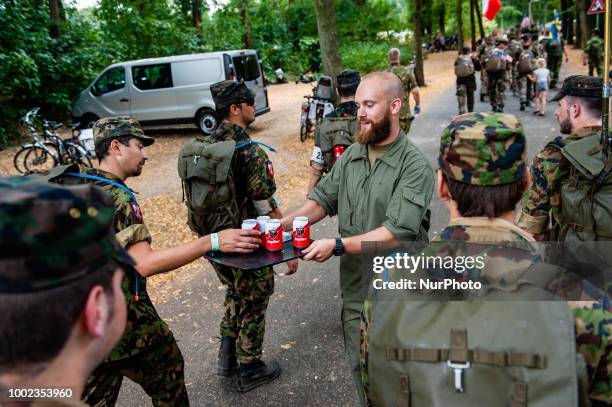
pixel 196 158
pixel 458 368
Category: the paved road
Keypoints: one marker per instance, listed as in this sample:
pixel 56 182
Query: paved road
pixel 303 321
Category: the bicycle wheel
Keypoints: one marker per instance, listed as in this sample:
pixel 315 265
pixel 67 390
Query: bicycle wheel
pixel 19 159
pixel 76 155
pixel 39 159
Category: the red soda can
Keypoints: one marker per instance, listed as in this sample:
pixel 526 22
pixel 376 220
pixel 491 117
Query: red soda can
pixel 338 151
pixel 261 221
pixel 301 232
pixel 250 224
pixel 274 235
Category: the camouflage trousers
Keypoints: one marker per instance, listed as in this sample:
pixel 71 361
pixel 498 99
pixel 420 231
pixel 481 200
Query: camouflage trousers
pixel 596 66
pixel 246 299
pixel 515 78
pixel 594 342
pixel 525 87
pixel 497 92
pixel 484 83
pixel 553 63
pixel 465 99
pixel 158 369
pixel 405 123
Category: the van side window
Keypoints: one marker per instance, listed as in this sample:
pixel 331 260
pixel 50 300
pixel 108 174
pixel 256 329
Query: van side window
pixel 247 67
pixel 147 77
pixel 110 80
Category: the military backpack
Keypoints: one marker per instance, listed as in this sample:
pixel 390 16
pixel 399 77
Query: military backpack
pixel 420 350
pixel 525 62
pixel 586 194
pixel 464 66
pixel 209 191
pixel 335 131
pixel 494 61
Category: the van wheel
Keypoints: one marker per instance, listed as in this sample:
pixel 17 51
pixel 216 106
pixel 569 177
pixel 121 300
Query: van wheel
pixel 88 121
pixel 206 120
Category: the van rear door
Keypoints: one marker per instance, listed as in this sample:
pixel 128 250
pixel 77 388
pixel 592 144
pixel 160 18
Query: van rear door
pixel 247 68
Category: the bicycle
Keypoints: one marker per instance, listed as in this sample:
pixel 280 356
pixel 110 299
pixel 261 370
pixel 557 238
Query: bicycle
pixel 315 108
pixel 49 149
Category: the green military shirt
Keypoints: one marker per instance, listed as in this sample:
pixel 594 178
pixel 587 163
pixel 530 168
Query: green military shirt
pixel 144 328
pixel 395 193
pixel 541 203
pixel 410 85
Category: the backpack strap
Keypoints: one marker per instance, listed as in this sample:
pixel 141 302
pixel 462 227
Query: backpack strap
pixel 247 143
pixel 104 180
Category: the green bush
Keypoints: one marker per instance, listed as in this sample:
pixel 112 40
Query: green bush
pixel 371 56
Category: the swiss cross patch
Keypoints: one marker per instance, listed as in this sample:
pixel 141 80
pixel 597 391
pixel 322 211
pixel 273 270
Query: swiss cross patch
pixel 270 169
pixel 136 211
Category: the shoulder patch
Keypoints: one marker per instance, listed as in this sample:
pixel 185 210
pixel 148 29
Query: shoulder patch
pixel 270 169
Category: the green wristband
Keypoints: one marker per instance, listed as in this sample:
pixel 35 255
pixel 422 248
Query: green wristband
pixel 214 241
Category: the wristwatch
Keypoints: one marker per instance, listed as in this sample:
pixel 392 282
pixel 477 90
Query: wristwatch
pixel 339 249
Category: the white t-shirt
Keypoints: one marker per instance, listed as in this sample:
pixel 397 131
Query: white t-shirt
pixel 541 74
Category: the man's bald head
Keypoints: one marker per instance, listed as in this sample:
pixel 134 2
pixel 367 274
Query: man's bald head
pixel 387 84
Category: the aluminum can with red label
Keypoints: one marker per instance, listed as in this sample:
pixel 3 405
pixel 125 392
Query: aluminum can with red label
pixel 250 224
pixel 261 221
pixel 274 235
pixel 301 232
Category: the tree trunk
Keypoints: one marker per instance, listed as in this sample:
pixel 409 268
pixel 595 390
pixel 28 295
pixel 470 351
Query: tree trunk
pixel 441 15
pixel 55 14
pixel 196 13
pixel 328 39
pixel 479 15
pixel 565 21
pixel 418 50
pixel 248 41
pixel 582 19
pixel 459 18
pixel 472 26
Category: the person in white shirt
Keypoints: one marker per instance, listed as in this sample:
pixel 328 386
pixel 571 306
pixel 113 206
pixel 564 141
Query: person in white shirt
pixel 541 77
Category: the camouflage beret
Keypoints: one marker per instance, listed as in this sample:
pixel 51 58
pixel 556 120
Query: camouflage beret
pixel 484 149
pixel 227 93
pixel 113 127
pixel 349 78
pixel 52 235
pixel 582 86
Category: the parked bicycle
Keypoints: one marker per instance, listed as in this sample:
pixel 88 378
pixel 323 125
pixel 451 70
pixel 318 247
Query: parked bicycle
pixel 48 149
pixel 316 107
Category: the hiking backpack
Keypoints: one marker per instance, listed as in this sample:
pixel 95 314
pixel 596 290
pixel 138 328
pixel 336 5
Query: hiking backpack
pixel 586 194
pixel 418 349
pixel 494 62
pixel 334 131
pixel 464 66
pixel 209 190
pixel 525 62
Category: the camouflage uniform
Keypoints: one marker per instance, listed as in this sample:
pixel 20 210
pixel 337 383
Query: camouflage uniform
pixel 484 49
pixel 466 86
pixel 410 85
pixel 51 236
pixel 554 58
pixel 497 84
pixel 247 292
pixel 345 109
pixel 594 51
pixel 515 49
pixel 147 353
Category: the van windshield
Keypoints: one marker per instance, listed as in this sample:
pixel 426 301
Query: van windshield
pixel 247 67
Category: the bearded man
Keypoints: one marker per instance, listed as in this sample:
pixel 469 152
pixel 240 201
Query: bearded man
pixel 380 188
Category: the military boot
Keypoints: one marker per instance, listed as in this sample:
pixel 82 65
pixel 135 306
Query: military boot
pixel 252 375
pixel 227 357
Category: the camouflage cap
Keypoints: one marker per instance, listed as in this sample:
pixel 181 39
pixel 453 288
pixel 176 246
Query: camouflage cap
pixel 348 79
pixel 583 86
pixel 484 149
pixel 51 235
pixel 119 126
pixel 227 93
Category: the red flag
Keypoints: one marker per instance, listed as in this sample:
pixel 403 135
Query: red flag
pixel 490 8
